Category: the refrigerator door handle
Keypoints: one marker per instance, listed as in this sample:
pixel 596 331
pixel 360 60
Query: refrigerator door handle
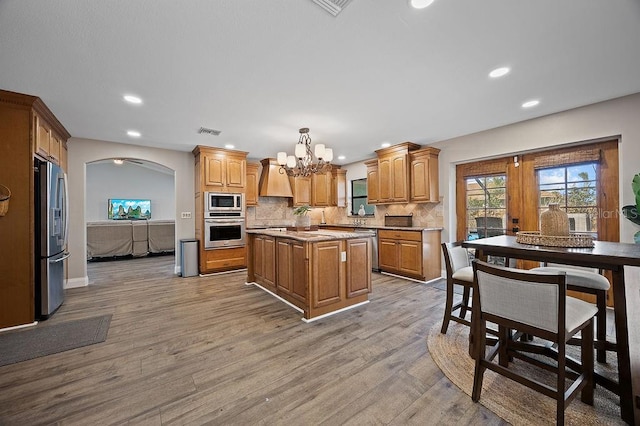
pixel 66 211
pixel 66 255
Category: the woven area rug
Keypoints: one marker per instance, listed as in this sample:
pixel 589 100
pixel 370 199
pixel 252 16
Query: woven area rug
pixel 512 401
pixel 44 339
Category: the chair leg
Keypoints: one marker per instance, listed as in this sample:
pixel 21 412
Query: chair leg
pixel 465 302
pixel 448 305
pixel 560 387
pixel 601 319
pixel 504 334
pixel 478 374
pixel 586 359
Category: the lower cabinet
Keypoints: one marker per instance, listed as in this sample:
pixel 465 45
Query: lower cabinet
pixel 414 254
pixel 220 260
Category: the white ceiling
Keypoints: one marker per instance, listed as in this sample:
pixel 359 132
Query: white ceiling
pixel 260 69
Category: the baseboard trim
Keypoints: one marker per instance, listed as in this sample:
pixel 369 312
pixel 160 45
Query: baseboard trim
pixel 277 297
pixel 16 327
pixel 346 308
pixel 410 279
pixel 76 282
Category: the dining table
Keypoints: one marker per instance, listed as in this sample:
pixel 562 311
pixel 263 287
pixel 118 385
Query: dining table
pixel 605 255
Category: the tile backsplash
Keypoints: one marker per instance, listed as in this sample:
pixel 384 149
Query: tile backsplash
pixel 275 211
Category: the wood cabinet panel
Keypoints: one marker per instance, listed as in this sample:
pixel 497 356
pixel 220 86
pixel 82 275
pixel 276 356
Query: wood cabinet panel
pixel 359 259
pixel 410 257
pixel 373 191
pixel 424 180
pixel 388 255
pixel 384 180
pixel 301 188
pixel 285 267
pixel 64 156
pixel 321 189
pixel 235 172
pixel 299 288
pixel 43 138
pixel 399 179
pixel 213 170
pixel 326 256
pixel 339 188
pixel 251 195
pixel 224 259
pixel 400 235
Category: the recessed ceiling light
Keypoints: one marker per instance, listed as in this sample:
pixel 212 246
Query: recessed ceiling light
pixel 229 146
pixel 341 157
pixel 386 145
pixel 499 72
pixel 420 4
pixel 530 104
pixel 133 133
pixel 132 99
pixel 117 161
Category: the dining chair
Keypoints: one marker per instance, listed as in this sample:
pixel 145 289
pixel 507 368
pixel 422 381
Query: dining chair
pixel 536 304
pixel 459 272
pixel 586 281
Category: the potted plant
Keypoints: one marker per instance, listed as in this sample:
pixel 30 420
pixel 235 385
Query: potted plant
pixel 631 212
pixel 302 220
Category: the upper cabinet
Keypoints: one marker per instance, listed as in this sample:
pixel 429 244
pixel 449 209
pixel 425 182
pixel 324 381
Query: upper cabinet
pixel 251 195
pixel 47 143
pixel 320 190
pixel 424 175
pixel 220 170
pixel 403 173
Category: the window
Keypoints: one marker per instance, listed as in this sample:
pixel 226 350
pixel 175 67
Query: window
pixel 574 188
pixel 486 206
pixel 359 197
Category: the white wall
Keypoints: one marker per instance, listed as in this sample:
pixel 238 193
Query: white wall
pixel 83 151
pixel 619 116
pixel 128 180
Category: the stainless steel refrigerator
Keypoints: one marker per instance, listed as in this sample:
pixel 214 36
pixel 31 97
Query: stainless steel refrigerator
pixel 52 225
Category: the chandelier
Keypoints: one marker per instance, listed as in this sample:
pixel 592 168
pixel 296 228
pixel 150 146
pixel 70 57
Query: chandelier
pixel 301 163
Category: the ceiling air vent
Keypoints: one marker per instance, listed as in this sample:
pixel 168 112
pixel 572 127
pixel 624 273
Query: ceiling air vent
pixel 209 131
pixel 334 7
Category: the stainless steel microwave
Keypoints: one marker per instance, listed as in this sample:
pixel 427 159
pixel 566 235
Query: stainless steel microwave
pixel 223 202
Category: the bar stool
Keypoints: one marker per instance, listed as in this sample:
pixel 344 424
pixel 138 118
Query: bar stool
pixel 459 272
pixel 589 282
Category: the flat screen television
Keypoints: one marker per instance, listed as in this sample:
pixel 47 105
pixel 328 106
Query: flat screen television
pixel 129 208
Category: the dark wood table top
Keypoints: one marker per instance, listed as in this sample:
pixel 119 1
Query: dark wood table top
pixel 604 254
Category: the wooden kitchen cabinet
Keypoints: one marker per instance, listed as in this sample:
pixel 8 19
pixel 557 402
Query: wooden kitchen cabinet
pixel 413 253
pixel 218 170
pixel 221 170
pixel 264 252
pixel 320 190
pixel 26 128
pixel 338 187
pixel 292 271
pixel 403 173
pixel 301 188
pixel 253 177
pixel 424 175
pixel 373 192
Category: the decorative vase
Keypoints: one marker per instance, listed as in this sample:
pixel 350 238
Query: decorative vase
pixel 303 221
pixel 361 212
pixel 554 222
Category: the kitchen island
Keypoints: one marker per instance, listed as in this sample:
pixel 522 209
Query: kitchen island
pixel 317 272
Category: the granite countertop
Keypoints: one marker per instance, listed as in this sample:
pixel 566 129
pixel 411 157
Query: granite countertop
pixel 308 236
pixel 391 228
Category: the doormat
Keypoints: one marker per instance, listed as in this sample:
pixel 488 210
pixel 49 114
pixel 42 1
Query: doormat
pixel 46 340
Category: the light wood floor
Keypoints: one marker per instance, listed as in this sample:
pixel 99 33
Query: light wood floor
pixel 214 350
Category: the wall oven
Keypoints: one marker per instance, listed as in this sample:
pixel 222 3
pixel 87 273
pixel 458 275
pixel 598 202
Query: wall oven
pixel 224 232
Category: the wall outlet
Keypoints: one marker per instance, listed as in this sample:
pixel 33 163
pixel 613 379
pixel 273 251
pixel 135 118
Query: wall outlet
pixel 185 215
pixel 343 256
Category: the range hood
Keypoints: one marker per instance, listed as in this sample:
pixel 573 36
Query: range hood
pixel 272 182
